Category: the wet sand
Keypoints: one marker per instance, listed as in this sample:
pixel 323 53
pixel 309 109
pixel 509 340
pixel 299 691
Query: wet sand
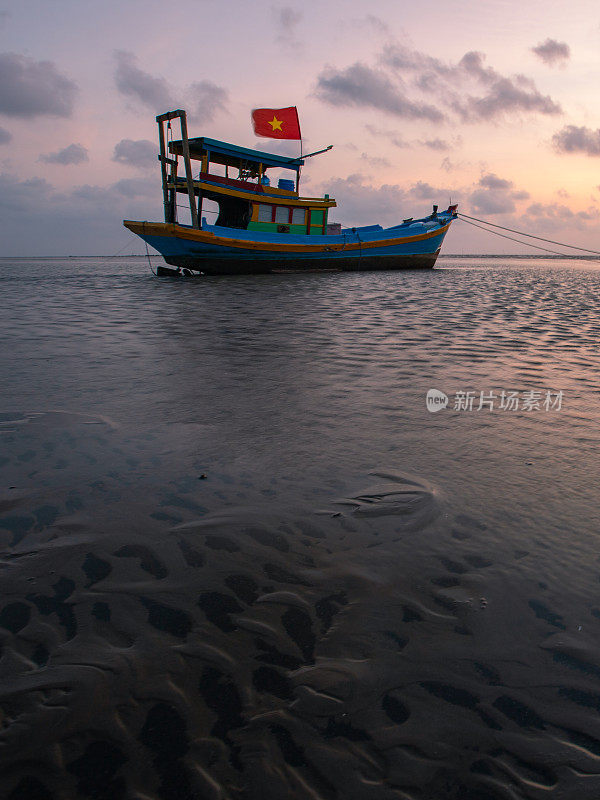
pixel 241 560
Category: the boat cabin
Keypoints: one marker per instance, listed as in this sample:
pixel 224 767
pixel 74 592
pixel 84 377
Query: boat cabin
pixel 244 194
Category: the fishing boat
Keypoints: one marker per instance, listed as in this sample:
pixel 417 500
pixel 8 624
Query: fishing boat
pixel 263 228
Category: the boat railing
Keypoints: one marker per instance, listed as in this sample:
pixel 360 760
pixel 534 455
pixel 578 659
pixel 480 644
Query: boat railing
pixel 181 184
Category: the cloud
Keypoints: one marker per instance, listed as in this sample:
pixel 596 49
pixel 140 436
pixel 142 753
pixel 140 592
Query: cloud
pixel 286 22
pixel 495 195
pixel 462 165
pixel 140 153
pixel 394 138
pixel 85 219
pixel 5 136
pixel 281 147
pixel 364 87
pixel 504 97
pixel 552 52
pixel 436 144
pixel 73 154
pixel 203 99
pixel 361 203
pixel 31 88
pixel 486 202
pixel 134 82
pixel 574 139
pixel 549 216
pixel 491 181
pixel 425 191
pixel 399 57
pixel 129 188
pixel 17 196
pixel 377 24
pixel 592 214
pixel 135 187
pixel 375 161
pixel 474 91
pixel 549 210
pixel 287 18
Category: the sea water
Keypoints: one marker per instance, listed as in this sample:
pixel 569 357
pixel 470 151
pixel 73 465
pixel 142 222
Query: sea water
pixel 243 557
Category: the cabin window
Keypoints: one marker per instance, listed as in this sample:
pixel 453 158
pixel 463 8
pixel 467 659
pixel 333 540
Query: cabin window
pixel 264 213
pixel 282 214
pixel 298 216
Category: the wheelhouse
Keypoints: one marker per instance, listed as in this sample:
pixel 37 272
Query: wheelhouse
pixel 244 194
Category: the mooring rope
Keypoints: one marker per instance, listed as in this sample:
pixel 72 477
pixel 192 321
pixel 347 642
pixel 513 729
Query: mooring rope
pixel 529 235
pixel 520 241
pixel 125 246
pixel 147 251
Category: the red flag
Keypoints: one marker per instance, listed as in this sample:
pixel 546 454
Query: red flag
pixel 277 123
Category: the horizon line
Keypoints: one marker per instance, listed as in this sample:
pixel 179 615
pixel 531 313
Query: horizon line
pixel 548 257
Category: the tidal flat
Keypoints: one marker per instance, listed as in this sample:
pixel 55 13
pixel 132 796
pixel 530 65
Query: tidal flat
pixel 241 559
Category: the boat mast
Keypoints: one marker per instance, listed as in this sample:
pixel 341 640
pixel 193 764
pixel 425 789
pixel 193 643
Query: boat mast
pixel 164 160
pixel 163 170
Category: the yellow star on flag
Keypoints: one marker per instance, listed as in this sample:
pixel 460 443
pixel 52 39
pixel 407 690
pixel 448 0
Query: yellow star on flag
pixel 276 124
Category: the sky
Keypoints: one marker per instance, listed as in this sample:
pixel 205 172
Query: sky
pixel 491 104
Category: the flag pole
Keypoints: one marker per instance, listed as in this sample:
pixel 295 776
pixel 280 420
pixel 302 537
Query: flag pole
pixel 299 166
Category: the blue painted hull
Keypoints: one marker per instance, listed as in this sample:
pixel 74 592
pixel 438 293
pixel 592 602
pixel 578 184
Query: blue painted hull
pixel 219 251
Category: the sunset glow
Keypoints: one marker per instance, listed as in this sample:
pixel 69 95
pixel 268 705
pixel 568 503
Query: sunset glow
pixel 490 104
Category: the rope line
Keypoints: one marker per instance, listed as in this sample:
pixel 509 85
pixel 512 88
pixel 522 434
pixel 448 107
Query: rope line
pixel 527 244
pixel 147 252
pixel 531 236
pixel 129 242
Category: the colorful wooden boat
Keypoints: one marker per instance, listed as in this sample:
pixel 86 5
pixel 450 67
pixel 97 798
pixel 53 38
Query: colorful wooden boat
pixel 263 228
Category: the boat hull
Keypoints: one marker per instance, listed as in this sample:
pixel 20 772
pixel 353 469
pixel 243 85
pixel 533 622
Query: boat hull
pixel 223 251
pixel 228 266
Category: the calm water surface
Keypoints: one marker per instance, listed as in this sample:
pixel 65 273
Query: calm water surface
pixel 241 559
